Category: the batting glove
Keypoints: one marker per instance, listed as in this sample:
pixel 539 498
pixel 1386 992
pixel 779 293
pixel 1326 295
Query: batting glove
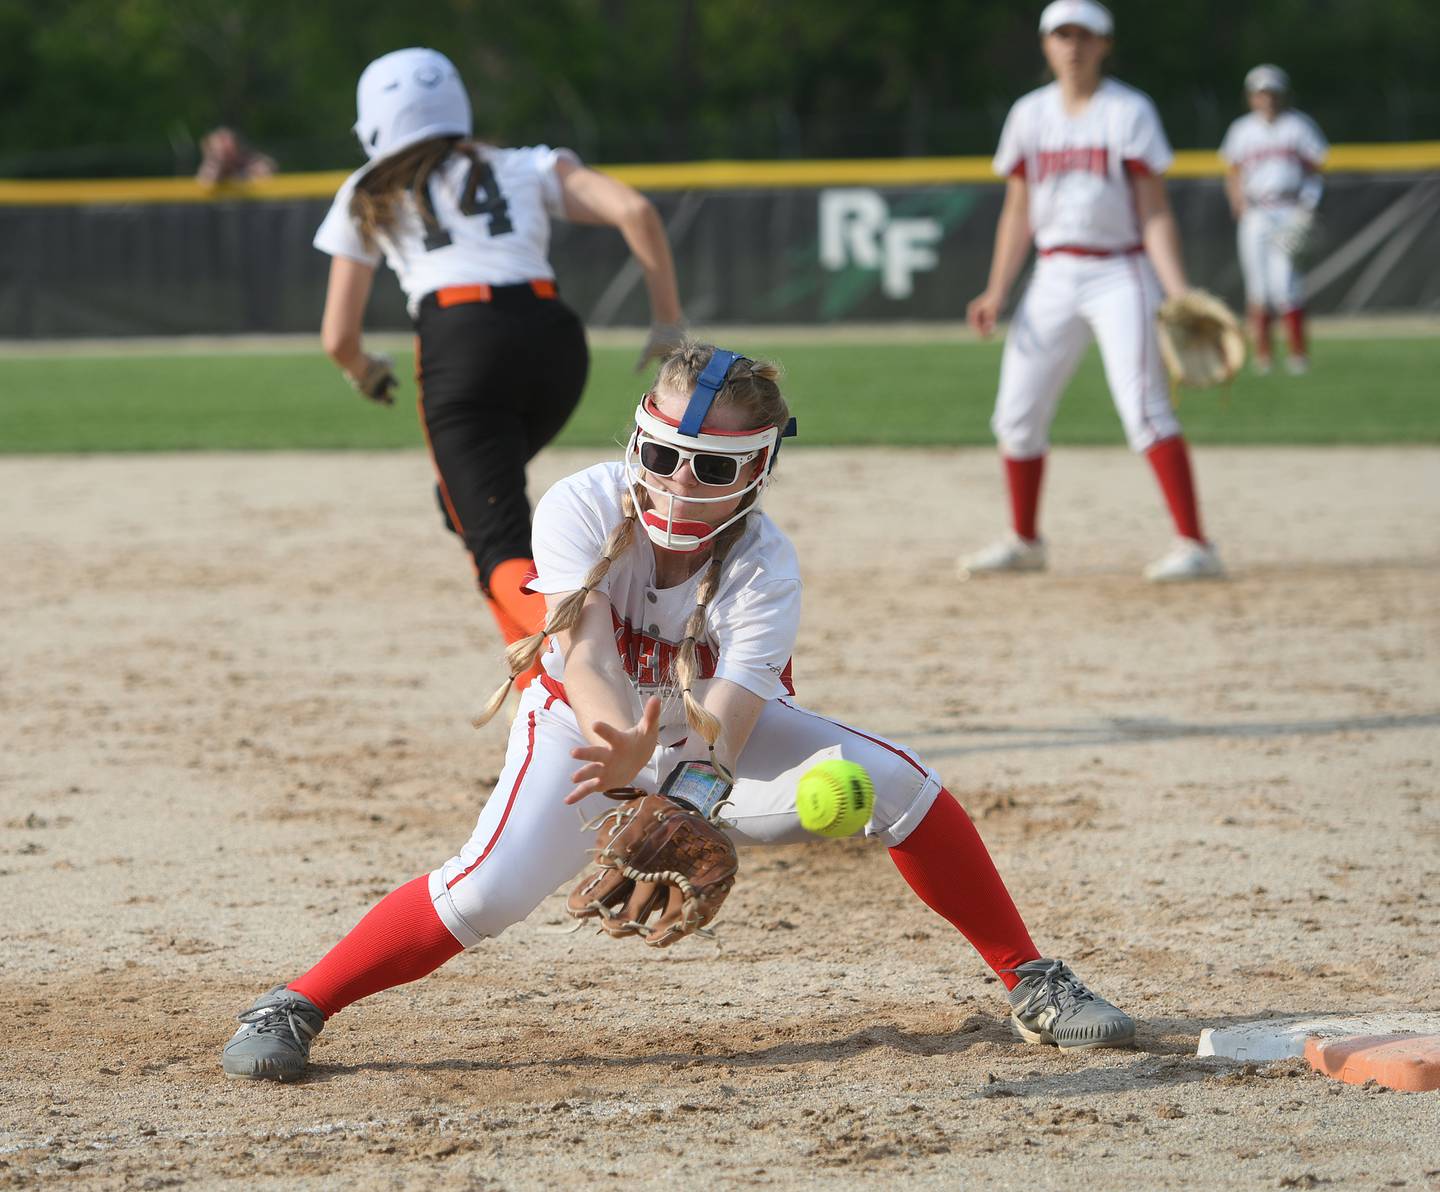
pixel 377 381
pixel 663 339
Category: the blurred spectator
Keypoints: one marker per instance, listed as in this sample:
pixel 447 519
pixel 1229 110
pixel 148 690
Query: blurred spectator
pixel 224 157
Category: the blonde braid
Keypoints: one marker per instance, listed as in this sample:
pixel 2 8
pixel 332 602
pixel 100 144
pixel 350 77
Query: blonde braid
pixel 375 201
pixel 521 654
pixel 687 663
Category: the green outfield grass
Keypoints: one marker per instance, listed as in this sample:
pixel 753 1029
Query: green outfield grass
pixel 929 394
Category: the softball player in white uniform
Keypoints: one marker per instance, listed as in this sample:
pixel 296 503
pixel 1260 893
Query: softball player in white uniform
pixel 501 360
pixel 1084 159
pixel 1274 155
pixel 674 604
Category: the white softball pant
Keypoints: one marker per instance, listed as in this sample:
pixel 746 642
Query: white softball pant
pixel 1271 279
pixel 1070 301
pixel 528 842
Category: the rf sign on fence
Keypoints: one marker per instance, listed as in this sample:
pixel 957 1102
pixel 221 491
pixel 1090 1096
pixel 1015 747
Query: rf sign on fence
pixel 857 230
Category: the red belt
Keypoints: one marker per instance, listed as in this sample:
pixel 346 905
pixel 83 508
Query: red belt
pixel 1080 250
pixel 541 287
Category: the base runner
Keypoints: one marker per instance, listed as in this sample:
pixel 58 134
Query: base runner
pixel 501 360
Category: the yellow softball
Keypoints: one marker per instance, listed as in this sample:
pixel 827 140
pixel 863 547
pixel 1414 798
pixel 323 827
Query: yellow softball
pixel 835 798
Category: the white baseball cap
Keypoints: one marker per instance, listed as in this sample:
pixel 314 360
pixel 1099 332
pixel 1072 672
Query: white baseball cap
pixel 406 97
pixel 1088 14
pixel 1266 77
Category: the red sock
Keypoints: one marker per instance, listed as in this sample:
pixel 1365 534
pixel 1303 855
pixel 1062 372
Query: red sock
pixel 1295 330
pixel 1262 332
pixel 1171 460
pixel 1023 477
pixel 947 865
pixel 401 939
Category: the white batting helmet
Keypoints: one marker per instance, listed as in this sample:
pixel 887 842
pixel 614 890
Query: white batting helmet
pixel 406 97
pixel 1267 77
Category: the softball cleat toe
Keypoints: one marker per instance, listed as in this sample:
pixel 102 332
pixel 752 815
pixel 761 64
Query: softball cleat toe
pixel 273 1042
pixel 1052 1005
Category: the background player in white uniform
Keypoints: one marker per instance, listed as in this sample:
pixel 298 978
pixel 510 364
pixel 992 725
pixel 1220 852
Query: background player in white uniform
pixel 501 361
pixel 1274 155
pixel 674 606
pixel 1083 160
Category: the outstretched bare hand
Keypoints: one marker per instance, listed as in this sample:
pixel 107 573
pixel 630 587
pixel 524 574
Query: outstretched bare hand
pixel 621 755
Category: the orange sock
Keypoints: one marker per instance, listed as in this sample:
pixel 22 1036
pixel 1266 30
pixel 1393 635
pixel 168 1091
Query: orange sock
pixel 519 614
pixel 524 611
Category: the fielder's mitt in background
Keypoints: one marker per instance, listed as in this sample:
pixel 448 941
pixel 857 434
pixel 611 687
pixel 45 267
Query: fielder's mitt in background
pixel 1201 340
pixel 1296 236
pixel 655 856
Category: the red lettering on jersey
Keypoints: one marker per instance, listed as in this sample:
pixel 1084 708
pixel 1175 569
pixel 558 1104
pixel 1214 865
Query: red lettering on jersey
pixel 650 661
pixel 1069 161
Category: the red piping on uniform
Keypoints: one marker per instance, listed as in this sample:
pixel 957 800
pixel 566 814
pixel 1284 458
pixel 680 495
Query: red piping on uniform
pixel 509 802
pixel 900 753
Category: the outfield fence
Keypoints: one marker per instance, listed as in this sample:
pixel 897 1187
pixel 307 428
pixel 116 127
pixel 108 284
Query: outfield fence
pixel 905 240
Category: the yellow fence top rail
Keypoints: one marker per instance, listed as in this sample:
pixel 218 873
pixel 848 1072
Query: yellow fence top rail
pixel 1416 157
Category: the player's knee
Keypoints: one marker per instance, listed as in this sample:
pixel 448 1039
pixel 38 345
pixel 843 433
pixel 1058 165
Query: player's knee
pixel 1155 425
pixel 483 909
pixel 904 790
pixel 1017 439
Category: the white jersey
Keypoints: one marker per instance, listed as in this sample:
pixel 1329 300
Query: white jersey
pixel 1078 167
pixel 1275 158
pixel 751 623
pixel 493 223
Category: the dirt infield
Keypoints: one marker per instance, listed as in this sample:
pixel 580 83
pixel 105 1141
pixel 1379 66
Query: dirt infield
pixel 235 694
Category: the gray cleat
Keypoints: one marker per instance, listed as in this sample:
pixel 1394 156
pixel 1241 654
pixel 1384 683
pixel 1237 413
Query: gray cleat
pixel 274 1041
pixel 1052 1005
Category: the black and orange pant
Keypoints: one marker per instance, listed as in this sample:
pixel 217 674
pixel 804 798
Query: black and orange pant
pixel 500 370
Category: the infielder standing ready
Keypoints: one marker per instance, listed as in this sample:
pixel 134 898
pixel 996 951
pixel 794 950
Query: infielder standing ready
pixel 1084 159
pixel 501 360
pixel 674 603
pixel 1273 181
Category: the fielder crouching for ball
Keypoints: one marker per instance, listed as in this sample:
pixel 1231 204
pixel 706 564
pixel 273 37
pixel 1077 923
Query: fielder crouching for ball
pixel 673 605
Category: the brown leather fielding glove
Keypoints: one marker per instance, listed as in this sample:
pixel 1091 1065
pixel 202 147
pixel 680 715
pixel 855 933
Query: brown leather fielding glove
pixel 1200 340
pixel 655 856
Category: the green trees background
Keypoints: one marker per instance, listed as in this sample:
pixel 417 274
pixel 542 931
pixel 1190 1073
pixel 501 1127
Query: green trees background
pixel 97 87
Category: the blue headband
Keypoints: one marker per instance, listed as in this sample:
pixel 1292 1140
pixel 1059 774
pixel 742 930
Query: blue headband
pixel 707 386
